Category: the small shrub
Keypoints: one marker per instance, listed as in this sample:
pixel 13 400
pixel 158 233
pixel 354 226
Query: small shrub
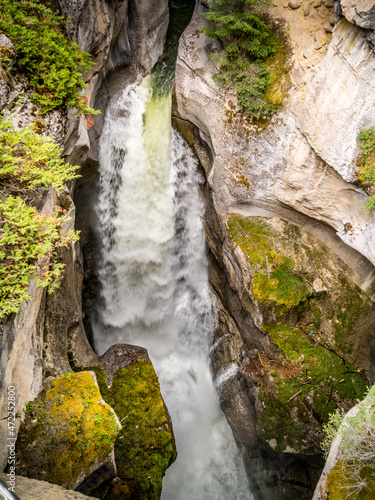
pixel 30 159
pixel 247 42
pixel 355 469
pixel 26 237
pixel 366 162
pixel 52 63
pixel 29 241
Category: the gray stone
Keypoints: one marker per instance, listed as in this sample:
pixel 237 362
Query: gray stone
pixel 306 9
pixel 360 12
pixel 6 45
pixel 32 489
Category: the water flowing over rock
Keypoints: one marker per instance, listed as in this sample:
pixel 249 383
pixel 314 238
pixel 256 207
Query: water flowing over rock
pixel 154 283
pixel 299 167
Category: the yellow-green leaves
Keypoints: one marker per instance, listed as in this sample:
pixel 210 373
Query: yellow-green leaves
pixel 366 162
pixel 51 61
pixel 28 240
pixel 31 159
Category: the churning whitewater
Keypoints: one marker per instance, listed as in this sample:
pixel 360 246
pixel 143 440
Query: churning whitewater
pixel 155 292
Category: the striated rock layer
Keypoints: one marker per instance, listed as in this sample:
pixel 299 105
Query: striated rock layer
pixel 290 182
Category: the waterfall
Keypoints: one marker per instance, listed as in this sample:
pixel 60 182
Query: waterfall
pixel 155 292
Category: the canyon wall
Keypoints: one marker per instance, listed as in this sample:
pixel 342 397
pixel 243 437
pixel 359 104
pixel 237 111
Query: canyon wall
pixel 47 337
pixel 287 187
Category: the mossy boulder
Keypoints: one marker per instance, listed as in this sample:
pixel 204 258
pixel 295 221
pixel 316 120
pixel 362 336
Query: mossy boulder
pixel 145 446
pixel 68 432
pixel 320 324
pixel 341 484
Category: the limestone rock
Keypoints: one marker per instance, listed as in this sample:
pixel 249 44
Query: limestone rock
pixel 329 4
pixel 310 52
pixel 68 433
pixel 33 489
pixel 347 72
pixel 294 4
pixel 359 12
pixel 281 163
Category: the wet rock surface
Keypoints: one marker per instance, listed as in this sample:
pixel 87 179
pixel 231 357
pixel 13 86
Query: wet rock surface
pixel 287 168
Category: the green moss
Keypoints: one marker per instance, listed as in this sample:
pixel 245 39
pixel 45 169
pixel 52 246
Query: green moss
pixel 313 366
pixel 319 376
pixel 278 68
pixel 366 162
pixel 66 430
pixel 144 448
pixel 276 278
pixel 341 484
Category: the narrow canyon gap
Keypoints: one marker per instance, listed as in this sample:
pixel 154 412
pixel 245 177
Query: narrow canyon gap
pixel 153 276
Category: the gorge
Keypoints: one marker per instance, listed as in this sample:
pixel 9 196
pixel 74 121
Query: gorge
pixel 281 304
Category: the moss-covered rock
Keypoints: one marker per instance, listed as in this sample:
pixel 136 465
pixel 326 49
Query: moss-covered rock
pixel 68 432
pixel 145 446
pixel 341 484
pixel 319 322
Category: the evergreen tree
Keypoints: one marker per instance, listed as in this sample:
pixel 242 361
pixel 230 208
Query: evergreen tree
pixel 247 41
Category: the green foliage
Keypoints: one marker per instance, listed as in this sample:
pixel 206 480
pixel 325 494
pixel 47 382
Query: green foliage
pixel 31 159
pixel 331 428
pixel 29 408
pixel 366 162
pixel 354 474
pixel 247 42
pixel 51 62
pixel 29 241
pixel 274 276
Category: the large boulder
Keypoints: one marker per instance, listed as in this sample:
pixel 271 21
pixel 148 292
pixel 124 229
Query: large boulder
pixel 68 433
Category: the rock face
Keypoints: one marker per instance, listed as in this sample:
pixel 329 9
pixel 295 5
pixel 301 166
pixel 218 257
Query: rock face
pixel 47 337
pixel 359 12
pixel 298 168
pixel 69 432
pixel 126 39
pixel 31 489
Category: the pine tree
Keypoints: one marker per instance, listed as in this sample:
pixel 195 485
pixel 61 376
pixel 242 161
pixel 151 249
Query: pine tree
pixel 247 41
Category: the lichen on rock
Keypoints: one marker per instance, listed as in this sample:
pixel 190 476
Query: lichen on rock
pixel 68 432
pixel 310 308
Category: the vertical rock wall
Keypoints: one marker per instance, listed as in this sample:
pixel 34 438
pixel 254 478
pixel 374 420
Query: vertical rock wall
pixel 298 168
pixel 47 337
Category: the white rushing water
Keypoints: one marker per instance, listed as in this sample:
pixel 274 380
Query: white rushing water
pixel 155 286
